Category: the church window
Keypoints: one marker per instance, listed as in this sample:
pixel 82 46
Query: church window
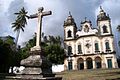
pixel 79 49
pixel 69 50
pixel 105 29
pixel 96 47
pixel 69 33
pixel 107 45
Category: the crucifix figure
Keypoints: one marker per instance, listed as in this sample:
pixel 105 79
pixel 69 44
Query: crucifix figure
pixel 39 15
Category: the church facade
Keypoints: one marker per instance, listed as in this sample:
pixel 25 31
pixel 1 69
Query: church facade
pixel 89 48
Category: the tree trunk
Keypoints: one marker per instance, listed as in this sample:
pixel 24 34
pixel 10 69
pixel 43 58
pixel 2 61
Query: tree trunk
pixel 17 36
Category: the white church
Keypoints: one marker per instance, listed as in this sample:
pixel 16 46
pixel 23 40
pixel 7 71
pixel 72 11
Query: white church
pixel 89 47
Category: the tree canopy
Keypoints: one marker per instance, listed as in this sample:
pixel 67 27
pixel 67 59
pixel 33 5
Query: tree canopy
pixel 51 46
pixel 8 54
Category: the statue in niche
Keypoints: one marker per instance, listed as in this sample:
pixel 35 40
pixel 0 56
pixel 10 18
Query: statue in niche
pixel 86 29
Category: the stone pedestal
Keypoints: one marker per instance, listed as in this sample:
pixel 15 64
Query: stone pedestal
pixel 36 63
pixel 37 67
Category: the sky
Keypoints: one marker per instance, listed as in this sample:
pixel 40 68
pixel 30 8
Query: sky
pixel 53 24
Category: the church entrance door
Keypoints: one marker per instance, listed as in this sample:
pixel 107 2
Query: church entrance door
pixel 109 62
pixel 98 62
pixel 89 63
pixel 80 64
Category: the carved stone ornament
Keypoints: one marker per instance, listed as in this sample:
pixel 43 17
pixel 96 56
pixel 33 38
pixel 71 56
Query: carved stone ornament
pixel 88 45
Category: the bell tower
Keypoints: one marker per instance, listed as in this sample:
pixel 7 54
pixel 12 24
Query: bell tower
pixel 104 23
pixel 70 28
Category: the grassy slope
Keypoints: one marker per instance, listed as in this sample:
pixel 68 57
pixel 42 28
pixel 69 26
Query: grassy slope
pixel 97 74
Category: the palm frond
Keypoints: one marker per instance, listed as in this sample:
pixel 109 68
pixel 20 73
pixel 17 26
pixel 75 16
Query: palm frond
pixel 21 21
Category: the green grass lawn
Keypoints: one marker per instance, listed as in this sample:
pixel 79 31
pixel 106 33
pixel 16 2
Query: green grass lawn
pixel 97 74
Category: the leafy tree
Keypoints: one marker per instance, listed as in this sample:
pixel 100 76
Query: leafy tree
pixel 25 50
pixel 118 28
pixel 51 46
pixel 9 56
pixel 7 53
pixel 55 53
pixel 118 61
pixel 20 22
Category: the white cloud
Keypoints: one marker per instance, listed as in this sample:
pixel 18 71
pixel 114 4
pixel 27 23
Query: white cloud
pixel 51 24
pixel 54 24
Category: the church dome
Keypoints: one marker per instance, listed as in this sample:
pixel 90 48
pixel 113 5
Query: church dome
pixel 69 21
pixel 102 15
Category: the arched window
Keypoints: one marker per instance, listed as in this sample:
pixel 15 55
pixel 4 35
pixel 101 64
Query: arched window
pixel 69 50
pixel 79 49
pixel 69 33
pixel 96 47
pixel 105 29
pixel 107 45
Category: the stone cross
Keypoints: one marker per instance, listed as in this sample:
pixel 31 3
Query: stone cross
pixel 39 15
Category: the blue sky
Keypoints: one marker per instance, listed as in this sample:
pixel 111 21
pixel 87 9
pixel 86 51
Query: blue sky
pixel 53 24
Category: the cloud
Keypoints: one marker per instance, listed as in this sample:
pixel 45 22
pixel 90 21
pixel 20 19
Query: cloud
pixel 53 25
pixel 82 8
pixel 14 7
pixel 8 8
pixel 79 10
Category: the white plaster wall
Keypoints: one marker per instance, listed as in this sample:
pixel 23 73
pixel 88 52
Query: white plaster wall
pixel 58 68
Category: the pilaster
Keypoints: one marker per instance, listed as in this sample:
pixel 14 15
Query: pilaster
pixel 85 65
pixel 94 67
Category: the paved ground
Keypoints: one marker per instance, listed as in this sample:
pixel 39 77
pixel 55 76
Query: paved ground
pixel 97 74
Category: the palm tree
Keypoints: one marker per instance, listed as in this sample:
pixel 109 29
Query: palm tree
pixel 20 22
pixel 118 28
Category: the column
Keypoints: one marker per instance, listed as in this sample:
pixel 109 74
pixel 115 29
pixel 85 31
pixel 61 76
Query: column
pixel 103 65
pixel 94 67
pixel 65 67
pixel 85 65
